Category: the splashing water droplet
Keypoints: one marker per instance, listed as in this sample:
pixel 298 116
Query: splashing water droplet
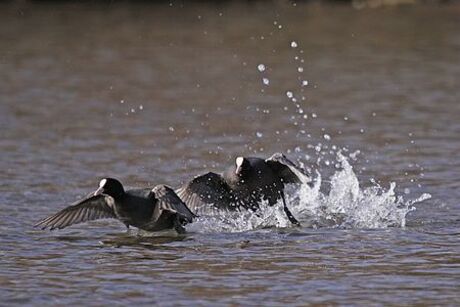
pixel 171 129
pixel 261 67
pixel 327 137
pixel 259 134
pixel 294 44
pixel 266 81
pixel 300 69
pixel 304 82
pixel 289 94
pixel 354 155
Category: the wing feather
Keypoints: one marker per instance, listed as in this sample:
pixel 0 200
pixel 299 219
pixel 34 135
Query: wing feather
pixel 169 201
pixel 206 192
pixel 91 208
pixel 287 170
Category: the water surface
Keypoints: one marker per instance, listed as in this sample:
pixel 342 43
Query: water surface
pixel 157 94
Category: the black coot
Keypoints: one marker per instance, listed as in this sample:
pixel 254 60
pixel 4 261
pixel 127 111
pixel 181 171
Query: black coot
pixel 148 209
pixel 243 185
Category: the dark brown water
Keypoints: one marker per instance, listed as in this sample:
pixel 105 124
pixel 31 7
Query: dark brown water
pixel 157 94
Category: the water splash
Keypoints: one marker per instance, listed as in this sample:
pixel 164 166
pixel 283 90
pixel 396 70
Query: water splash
pixel 349 205
pixel 240 221
pixel 345 205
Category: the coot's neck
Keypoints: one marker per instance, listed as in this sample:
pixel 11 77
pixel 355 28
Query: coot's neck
pixel 118 196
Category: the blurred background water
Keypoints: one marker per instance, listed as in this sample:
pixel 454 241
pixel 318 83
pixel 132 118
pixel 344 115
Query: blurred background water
pixel 157 93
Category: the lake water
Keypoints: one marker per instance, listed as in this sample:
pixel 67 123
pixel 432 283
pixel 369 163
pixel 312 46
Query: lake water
pixel 367 99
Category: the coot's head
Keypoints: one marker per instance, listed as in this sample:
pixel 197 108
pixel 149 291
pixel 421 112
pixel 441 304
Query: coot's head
pixel 243 166
pixel 111 187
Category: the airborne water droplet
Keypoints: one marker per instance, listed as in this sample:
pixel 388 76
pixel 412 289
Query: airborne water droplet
pixel 261 67
pixel 293 44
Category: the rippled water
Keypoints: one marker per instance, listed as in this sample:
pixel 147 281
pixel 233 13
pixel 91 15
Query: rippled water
pixel 157 94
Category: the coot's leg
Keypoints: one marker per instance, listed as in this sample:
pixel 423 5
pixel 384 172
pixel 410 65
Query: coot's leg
pixel 291 217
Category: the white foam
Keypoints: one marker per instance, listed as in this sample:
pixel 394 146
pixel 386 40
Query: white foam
pixel 348 205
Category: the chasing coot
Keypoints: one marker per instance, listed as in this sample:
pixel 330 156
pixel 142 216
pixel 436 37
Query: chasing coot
pixel 243 185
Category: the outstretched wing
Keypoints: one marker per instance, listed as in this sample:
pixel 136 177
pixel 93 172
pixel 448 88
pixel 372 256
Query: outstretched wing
pixel 169 201
pixel 206 192
pixel 91 208
pixel 287 170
